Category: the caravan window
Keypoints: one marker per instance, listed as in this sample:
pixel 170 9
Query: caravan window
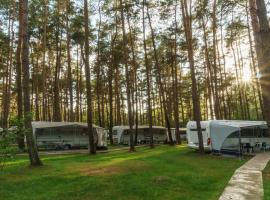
pixel 114 132
pixel 247 133
pixel 265 133
pixel 40 131
pixel 234 135
pixel 163 132
pixel 125 132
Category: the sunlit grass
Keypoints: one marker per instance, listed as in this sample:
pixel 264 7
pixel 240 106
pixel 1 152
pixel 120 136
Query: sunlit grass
pixel 161 173
pixel 266 182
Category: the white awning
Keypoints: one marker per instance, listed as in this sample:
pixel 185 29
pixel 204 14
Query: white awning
pixel 221 129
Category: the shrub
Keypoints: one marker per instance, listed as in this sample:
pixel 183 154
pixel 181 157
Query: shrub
pixel 8 147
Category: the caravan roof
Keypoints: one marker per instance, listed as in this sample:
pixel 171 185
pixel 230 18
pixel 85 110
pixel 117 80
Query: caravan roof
pixel 239 123
pixel 45 124
pixel 228 123
pixel 140 127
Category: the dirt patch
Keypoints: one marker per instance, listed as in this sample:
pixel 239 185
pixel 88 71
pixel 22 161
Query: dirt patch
pixel 100 171
pixel 11 178
pixel 130 166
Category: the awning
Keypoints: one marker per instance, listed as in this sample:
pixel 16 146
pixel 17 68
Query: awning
pixel 220 130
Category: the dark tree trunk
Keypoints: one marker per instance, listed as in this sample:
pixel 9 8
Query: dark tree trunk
pixel 31 146
pixel 69 78
pixel 92 144
pixel 56 91
pixel 261 32
pixel 187 21
pixel 127 75
pixel 148 82
pixel 159 81
pixel 20 137
pixel 175 84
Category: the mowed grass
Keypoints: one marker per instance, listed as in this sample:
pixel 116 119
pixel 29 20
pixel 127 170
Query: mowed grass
pixel 266 182
pixel 160 173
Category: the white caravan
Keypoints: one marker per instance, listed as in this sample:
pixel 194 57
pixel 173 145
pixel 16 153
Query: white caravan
pixel 228 136
pixel 183 134
pixel 121 135
pixel 66 135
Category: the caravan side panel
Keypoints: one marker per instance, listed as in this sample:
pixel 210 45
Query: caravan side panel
pixel 192 135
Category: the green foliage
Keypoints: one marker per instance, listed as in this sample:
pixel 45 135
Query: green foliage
pixel 15 121
pixel 7 147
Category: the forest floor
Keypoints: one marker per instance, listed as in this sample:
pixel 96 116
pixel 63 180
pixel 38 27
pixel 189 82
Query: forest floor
pixel 161 173
pixel 266 181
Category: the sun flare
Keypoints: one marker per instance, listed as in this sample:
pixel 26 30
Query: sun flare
pixel 246 75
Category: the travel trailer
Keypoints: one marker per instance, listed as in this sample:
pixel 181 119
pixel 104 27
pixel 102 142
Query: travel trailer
pixel 227 136
pixel 66 135
pixel 183 134
pixel 121 134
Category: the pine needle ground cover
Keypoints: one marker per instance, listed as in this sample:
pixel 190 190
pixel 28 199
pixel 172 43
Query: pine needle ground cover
pixel 266 182
pixel 160 173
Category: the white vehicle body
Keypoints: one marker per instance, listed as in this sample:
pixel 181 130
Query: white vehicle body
pixel 121 135
pixel 183 134
pixel 192 135
pixel 227 135
pixel 65 135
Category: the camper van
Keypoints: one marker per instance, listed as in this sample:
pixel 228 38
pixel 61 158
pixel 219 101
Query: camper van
pixel 229 136
pixel 66 135
pixel 121 134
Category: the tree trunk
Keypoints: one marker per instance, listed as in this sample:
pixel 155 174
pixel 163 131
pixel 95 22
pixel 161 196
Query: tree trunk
pixel 7 85
pixel 148 82
pixel 216 95
pixel 158 77
pixel 44 44
pixel 20 137
pixel 127 75
pixel 31 146
pixel 187 21
pixel 69 81
pixel 175 85
pixel 56 92
pixel 261 32
pixel 92 148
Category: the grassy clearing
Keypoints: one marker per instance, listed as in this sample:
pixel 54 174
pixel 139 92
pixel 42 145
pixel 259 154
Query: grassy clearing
pixel 266 182
pixel 161 173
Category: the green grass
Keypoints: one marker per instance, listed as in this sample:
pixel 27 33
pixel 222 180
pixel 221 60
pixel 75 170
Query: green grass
pixel 266 182
pixel 161 173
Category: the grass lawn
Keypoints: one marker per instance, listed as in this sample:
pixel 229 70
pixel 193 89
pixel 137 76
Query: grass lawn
pixel 266 182
pixel 161 173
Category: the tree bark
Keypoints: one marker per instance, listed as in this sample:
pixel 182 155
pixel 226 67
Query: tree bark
pixel 20 137
pixel 127 76
pixel 92 148
pixel 31 146
pixel 56 91
pixel 261 32
pixel 69 81
pixel 187 21
pixel 158 77
pixel 148 82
